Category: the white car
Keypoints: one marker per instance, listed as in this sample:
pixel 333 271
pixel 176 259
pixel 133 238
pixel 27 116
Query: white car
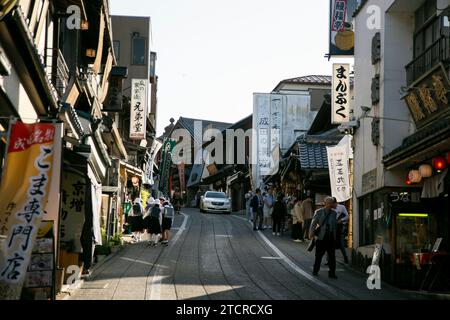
pixel 215 201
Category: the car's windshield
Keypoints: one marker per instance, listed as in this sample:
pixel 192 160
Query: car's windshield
pixel 215 195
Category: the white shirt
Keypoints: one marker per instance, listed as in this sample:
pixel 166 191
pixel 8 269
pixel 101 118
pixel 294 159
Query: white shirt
pixel 342 213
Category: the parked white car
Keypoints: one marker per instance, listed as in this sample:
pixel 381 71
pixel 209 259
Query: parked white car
pixel 215 201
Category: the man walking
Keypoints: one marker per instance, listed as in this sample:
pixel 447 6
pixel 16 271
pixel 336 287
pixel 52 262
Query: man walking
pixel 248 207
pixel 323 228
pixel 257 207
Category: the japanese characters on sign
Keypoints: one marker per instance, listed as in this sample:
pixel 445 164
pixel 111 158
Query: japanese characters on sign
pixel 429 98
pixel 73 209
pixel 338 165
pixel 342 37
pixel 138 111
pixel 23 196
pixel 340 93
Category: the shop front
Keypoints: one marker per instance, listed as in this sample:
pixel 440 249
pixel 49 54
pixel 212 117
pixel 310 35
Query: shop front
pixel 420 220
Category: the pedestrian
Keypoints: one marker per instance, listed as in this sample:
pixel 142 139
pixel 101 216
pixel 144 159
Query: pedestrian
pixel 198 196
pixel 137 223
pixel 248 207
pixel 154 224
pixel 297 221
pixel 177 200
pixel 257 207
pixel 278 214
pixel 167 221
pixel 342 228
pixel 307 210
pixel 323 229
pixel 268 207
pixel 127 211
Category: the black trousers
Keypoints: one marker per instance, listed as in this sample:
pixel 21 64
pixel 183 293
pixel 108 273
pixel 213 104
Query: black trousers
pixel 258 217
pixel 297 231
pixel 326 245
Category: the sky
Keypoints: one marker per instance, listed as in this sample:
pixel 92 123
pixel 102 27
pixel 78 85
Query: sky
pixel 213 55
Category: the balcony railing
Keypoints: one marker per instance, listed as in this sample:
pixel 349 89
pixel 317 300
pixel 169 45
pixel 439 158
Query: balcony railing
pixel 58 71
pixel 436 53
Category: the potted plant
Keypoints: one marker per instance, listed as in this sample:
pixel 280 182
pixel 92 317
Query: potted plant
pixel 116 242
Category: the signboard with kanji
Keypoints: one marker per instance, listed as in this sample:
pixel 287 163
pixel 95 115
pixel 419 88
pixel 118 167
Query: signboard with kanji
pixel 340 104
pixel 138 111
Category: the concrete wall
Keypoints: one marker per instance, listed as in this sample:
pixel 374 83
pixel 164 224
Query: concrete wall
pixel 123 28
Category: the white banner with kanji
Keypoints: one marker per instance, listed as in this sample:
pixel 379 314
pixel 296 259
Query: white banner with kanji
pixel 338 166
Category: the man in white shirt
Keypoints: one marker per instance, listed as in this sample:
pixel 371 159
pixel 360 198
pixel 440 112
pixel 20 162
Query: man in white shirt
pixel 342 228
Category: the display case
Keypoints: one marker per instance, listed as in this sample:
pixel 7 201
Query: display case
pixel 413 235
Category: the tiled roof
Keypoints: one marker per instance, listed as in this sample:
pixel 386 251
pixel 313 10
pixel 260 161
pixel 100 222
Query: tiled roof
pixel 313 156
pixel 188 124
pixel 311 79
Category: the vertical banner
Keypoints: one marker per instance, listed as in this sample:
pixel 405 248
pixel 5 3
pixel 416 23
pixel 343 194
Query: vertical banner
pixel 340 104
pixel 181 173
pixel 73 209
pixel 342 36
pixel 23 196
pixel 166 163
pixel 338 165
pixel 138 112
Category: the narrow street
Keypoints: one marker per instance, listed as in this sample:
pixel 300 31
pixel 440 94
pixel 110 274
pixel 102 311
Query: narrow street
pixel 217 257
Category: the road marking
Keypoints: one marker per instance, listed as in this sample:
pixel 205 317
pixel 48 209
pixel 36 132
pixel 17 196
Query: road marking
pixel 223 236
pixel 272 258
pixel 155 293
pixel 290 263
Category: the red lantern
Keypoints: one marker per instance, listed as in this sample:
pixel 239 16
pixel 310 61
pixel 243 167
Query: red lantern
pixel 439 163
pixel 408 180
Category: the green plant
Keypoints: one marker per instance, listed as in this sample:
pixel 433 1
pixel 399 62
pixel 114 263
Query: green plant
pixel 116 240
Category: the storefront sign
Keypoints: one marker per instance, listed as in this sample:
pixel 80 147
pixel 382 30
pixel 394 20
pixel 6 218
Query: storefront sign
pixel 338 165
pixel 369 181
pixel 342 37
pixel 341 93
pixel 23 197
pixel 138 112
pixel 73 209
pixel 429 98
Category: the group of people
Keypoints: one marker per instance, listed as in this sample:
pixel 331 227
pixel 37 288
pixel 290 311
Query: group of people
pixel 326 226
pixel 155 219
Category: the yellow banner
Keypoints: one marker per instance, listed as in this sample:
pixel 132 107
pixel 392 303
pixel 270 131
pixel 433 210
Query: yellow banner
pixel 23 197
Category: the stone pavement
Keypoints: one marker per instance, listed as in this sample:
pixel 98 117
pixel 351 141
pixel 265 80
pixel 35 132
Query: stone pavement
pixel 220 257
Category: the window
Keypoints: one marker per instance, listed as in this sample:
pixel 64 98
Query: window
pixel 428 27
pixel 138 50
pixel 116 46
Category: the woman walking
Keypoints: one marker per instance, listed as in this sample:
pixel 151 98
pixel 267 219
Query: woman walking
pixel 297 221
pixel 278 215
pixel 153 225
pixel 137 224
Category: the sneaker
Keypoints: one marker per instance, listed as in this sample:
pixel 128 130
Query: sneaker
pixel 273 233
pixel 278 234
pixel 296 240
pixel 301 241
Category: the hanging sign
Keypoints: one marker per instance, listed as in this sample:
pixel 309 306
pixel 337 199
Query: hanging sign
pixel 338 165
pixel 138 112
pixel 340 111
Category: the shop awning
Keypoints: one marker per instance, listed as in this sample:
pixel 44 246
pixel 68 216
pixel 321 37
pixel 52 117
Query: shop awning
pixel 422 145
pixel 131 169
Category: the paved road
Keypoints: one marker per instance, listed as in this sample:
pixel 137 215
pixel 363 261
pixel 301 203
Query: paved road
pixel 220 257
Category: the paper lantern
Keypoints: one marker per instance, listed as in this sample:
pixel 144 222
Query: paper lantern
pixel 414 176
pixel 408 181
pixel 426 170
pixel 439 163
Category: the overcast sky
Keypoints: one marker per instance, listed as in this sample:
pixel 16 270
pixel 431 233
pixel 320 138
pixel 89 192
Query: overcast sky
pixel 213 55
